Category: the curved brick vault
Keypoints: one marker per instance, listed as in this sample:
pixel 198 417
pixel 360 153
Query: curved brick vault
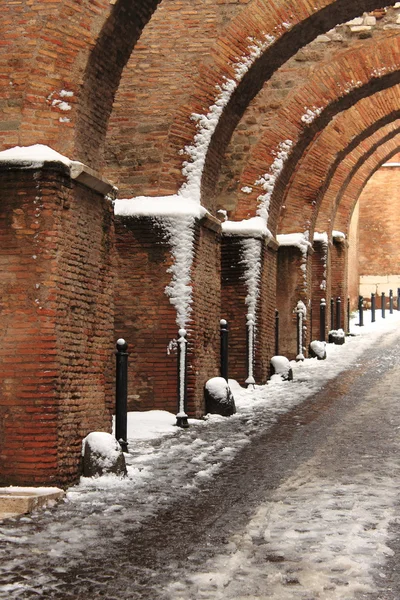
pixel 159 141
pixel 334 88
pixel 345 170
pixel 316 167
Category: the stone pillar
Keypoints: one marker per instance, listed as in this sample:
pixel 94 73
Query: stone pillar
pixel 320 285
pixel 56 319
pixel 146 318
pixel 339 284
pixel 293 283
pixel 234 308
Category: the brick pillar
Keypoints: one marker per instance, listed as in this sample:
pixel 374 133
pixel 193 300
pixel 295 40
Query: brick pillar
pixel 293 281
pixel 320 285
pixel 339 284
pixel 147 320
pixel 234 308
pixel 55 321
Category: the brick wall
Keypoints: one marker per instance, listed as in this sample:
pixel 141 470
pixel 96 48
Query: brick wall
pixel 56 323
pixel 291 287
pixel 234 310
pixel 147 320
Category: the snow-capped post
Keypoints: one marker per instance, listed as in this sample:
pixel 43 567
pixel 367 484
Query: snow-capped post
pixel 224 333
pixel 383 304
pixel 361 310
pixel 301 316
pixel 181 417
pixel 121 394
pixel 322 320
pixel 338 312
pixel 391 301
pixel 373 307
pixel 398 298
pixel 276 332
pixel 332 313
pixel 250 329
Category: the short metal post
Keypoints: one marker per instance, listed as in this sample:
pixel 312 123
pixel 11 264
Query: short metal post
pixel 361 310
pixel 398 298
pixel 383 304
pixel 224 333
pixel 121 394
pixel 250 329
pixel 348 314
pixel 322 321
pixel 338 312
pixel 373 307
pixel 391 301
pixel 181 417
pixel 276 332
pixel 332 314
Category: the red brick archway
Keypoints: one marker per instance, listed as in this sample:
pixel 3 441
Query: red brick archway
pixel 288 124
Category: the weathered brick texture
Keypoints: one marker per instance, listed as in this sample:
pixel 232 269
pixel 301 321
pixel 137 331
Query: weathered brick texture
pixel 56 323
pixel 147 320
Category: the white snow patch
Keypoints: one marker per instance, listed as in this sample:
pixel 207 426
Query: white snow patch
pixel 218 387
pixel 33 156
pixel 298 240
pixel 268 180
pixel 158 206
pixel 207 123
pixel 254 227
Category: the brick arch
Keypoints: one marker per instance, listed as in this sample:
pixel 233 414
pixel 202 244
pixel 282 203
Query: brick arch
pixel 335 87
pixel 350 195
pixel 303 198
pixel 42 56
pixel 346 170
pixel 263 18
pixel 211 61
pixel 101 79
pixel 59 73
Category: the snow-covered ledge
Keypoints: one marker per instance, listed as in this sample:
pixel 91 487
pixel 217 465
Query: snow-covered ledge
pixel 254 228
pixel 338 236
pixel 38 155
pixel 296 240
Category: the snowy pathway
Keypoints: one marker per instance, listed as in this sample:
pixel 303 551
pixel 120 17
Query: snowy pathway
pixel 285 500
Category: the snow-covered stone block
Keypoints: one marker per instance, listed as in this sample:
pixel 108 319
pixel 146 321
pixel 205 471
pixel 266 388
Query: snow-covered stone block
pixel 218 397
pixel 318 350
pixel 102 454
pixel 337 336
pixel 280 365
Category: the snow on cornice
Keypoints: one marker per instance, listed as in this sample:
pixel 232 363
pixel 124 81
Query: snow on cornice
pixel 393 164
pixel 158 206
pixel 207 123
pixel 254 227
pixel 298 240
pixel 320 237
pixel 35 156
pixel 338 235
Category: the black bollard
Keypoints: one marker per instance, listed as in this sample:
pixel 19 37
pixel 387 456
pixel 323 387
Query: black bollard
pixel 181 417
pixel 348 314
pixel 373 307
pixel 332 314
pixel 361 310
pixel 322 321
pixel 383 304
pixel 391 302
pixel 121 394
pixel 398 298
pixel 338 312
pixel 224 332
pixel 276 332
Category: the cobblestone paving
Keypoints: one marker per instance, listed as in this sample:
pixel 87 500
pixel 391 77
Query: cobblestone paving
pixel 274 523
